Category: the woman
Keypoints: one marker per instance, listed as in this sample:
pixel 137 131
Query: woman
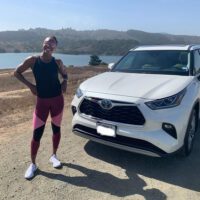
pixel 48 90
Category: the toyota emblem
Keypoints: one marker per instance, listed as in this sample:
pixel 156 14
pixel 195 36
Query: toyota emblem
pixel 106 104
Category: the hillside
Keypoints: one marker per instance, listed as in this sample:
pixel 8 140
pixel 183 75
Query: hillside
pixel 101 42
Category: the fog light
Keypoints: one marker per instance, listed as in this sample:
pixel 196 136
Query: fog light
pixel 170 129
pixel 74 110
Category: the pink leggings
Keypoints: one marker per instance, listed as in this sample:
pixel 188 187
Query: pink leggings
pixel 54 106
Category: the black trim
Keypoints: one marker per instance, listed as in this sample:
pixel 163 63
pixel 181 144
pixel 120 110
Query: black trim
pixel 192 63
pixel 122 140
pixel 171 131
pixel 74 110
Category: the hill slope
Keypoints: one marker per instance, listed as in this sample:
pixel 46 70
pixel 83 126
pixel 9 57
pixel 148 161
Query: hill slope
pixel 104 42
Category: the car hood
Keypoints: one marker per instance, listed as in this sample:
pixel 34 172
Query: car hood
pixel 147 86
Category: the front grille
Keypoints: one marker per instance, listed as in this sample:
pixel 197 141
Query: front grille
pixel 127 114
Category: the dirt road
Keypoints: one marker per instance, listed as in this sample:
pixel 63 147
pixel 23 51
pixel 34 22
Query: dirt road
pixel 90 170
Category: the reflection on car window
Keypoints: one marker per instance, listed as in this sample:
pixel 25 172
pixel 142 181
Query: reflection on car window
pixel 155 61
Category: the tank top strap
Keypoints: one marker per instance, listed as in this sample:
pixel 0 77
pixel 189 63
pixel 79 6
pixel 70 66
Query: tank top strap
pixel 36 62
pixel 54 62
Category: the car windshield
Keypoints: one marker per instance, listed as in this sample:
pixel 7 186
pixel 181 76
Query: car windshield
pixel 173 62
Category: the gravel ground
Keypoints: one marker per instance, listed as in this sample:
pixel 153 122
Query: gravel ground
pixel 91 170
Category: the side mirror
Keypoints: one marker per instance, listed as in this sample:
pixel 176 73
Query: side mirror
pixel 110 65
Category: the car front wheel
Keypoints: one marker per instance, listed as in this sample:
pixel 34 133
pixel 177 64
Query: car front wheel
pixel 190 133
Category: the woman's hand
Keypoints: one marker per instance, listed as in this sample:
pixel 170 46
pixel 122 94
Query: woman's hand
pixel 33 89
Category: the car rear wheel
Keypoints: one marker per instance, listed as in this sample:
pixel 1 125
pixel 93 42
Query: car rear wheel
pixel 190 134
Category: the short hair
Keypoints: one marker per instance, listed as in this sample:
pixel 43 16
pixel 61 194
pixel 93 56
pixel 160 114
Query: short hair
pixel 53 38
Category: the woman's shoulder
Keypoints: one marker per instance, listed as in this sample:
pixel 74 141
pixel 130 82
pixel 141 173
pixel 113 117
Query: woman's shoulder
pixel 32 59
pixel 58 62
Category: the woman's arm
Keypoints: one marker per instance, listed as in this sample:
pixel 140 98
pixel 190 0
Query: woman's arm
pixel 28 63
pixel 63 72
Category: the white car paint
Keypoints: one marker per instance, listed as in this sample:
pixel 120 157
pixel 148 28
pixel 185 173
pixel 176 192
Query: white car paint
pixel 138 88
pixel 148 86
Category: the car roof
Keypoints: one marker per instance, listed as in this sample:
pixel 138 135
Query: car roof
pixel 166 47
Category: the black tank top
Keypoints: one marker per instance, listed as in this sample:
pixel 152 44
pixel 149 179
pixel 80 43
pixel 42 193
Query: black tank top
pixel 46 78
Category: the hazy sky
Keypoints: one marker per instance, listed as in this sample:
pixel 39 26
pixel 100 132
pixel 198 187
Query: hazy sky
pixel 168 16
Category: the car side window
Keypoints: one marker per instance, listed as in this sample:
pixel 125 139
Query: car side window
pixel 197 61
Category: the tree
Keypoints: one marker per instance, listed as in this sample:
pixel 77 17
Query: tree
pixel 94 60
pixel 17 51
pixel 2 50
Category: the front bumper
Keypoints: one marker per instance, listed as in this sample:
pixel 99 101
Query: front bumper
pixel 121 142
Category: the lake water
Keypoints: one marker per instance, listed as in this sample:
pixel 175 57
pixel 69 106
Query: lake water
pixel 11 60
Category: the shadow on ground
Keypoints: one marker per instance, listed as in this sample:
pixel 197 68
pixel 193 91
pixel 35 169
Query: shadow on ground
pixel 176 170
pixel 107 183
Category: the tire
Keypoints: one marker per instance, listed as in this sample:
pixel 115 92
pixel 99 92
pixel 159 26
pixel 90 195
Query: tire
pixel 190 133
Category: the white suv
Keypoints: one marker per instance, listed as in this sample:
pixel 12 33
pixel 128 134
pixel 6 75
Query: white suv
pixel 148 103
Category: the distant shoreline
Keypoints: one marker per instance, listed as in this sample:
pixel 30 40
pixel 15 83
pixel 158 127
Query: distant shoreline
pixel 5 70
pixel 12 60
pixel 9 70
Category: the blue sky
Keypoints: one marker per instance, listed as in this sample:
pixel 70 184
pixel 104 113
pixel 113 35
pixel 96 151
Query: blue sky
pixel 165 16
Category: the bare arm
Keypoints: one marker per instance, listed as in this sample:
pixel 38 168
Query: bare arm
pixel 27 64
pixel 63 72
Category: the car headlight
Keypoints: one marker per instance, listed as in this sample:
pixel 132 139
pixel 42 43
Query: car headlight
pixel 79 93
pixel 167 102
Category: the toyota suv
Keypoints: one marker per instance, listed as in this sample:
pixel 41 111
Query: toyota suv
pixel 147 103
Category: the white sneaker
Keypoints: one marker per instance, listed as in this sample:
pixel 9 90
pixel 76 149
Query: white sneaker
pixel 30 172
pixel 54 160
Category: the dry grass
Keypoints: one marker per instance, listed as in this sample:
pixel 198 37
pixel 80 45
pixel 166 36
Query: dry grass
pixel 17 102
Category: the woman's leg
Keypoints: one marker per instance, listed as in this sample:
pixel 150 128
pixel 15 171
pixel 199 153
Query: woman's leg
pixel 40 116
pixel 56 111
